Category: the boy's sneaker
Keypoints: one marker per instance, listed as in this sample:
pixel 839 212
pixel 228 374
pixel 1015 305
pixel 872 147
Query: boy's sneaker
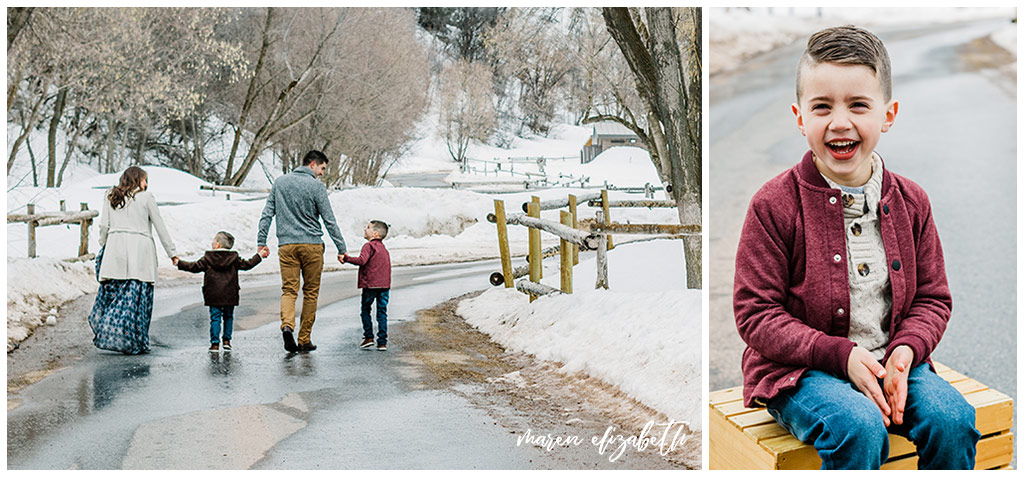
pixel 289 340
pixel 227 345
pixel 214 347
pixel 382 347
pixel 367 343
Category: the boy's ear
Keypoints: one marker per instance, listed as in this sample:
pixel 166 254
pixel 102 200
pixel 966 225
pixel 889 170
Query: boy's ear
pixel 799 118
pixel 890 115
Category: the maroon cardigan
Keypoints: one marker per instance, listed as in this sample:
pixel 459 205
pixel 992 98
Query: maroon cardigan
pixel 792 289
pixel 374 265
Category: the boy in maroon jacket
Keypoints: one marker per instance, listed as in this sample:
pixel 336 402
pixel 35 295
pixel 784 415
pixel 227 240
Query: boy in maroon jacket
pixel 220 284
pixel 375 280
pixel 840 289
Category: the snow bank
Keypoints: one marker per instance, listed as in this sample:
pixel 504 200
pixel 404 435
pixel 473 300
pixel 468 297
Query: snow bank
pixel 738 34
pixel 642 335
pixel 36 286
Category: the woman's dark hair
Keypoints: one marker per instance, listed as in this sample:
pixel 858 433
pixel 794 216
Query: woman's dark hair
pixel 131 182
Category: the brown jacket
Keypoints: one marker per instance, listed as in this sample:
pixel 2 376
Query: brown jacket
pixel 220 284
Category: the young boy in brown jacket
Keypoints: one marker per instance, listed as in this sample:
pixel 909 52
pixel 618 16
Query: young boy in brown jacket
pixel 220 284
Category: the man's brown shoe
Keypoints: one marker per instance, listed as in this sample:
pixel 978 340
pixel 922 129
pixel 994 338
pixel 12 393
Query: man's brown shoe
pixel 307 346
pixel 367 343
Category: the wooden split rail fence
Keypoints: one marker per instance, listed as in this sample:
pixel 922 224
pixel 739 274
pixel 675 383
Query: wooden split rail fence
pixel 83 218
pixel 574 234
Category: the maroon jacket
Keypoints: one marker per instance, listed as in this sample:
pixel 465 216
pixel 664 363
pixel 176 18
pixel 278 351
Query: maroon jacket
pixel 792 289
pixel 220 283
pixel 374 265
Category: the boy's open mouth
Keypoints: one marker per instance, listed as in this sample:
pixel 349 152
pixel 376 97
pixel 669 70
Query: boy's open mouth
pixel 842 149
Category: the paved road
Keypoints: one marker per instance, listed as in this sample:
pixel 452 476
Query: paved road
pixel 954 135
pixel 259 407
pixel 427 180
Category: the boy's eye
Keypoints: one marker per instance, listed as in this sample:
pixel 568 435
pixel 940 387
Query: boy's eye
pixel 859 105
pixel 819 107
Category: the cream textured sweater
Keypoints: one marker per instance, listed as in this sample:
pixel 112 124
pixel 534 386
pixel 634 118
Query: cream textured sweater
pixel 870 296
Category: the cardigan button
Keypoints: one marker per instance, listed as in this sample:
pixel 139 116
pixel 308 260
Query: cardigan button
pixel 837 257
pixel 840 312
pixel 885 208
pixel 896 265
pixel 831 200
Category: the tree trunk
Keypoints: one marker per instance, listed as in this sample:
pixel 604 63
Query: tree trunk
pixel 250 94
pixel 79 119
pixel 32 157
pixel 51 138
pixel 661 82
pixel 27 125
pixel 17 18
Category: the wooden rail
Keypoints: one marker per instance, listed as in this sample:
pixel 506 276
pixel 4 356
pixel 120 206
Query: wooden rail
pixel 83 218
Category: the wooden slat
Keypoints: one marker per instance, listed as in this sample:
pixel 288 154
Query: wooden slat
pixel 752 439
pixel 731 449
pixel 994 451
pixel 725 395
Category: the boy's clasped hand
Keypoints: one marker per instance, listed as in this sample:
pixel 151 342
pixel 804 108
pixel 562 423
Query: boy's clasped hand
pixel 891 397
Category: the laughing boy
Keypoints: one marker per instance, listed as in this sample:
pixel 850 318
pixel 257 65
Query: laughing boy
pixel 840 289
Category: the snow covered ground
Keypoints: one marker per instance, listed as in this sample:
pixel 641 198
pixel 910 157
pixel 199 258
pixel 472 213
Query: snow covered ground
pixel 642 335
pixel 737 34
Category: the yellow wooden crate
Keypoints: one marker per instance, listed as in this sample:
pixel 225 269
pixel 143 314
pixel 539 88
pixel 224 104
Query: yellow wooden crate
pixel 744 438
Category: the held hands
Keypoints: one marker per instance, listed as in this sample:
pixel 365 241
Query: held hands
pixel 897 368
pixel 263 251
pixel 174 260
pixel 864 372
pixel 342 257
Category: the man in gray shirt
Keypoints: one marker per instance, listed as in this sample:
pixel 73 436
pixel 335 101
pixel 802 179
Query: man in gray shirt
pixel 299 201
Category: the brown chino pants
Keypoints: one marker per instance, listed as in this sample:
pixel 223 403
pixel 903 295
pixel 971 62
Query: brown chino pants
pixel 306 259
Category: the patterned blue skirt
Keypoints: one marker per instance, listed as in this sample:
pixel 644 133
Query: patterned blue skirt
pixel 120 317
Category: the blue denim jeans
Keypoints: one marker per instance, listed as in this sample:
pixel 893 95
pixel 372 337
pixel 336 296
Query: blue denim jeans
pixel 217 314
pixel 380 295
pixel 846 427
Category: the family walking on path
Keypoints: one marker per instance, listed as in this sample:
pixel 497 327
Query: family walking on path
pixel 126 264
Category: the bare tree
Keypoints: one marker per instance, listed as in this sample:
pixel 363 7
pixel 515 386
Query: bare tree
pixel 531 56
pixel 662 47
pixel 465 106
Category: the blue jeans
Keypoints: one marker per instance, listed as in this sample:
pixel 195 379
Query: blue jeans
pixel 846 426
pixel 217 313
pixel 380 295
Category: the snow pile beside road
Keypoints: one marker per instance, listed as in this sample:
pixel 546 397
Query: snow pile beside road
pixel 738 34
pixel 36 285
pixel 642 336
pixel 1006 38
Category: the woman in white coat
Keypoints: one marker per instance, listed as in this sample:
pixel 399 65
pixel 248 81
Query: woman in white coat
pixel 126 265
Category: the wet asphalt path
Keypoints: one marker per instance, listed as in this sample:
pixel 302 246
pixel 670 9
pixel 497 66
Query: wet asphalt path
pixel 955 135
pixel 259 407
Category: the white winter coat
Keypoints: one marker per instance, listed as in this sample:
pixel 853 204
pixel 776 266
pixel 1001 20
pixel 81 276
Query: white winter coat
pixel 127 235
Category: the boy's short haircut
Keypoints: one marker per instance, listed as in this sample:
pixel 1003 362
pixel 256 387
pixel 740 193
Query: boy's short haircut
pixel 225 239
pixel 848 45
pixel 380 227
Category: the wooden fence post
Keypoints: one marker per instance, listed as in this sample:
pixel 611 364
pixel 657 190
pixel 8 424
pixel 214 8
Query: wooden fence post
pixel 83 246
pixel 63 208
pixel 31 209
pixel 575 224
pixel 566 253
pixel 506 257
pixel 535 256
pixel 607 216
pixel 602 256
